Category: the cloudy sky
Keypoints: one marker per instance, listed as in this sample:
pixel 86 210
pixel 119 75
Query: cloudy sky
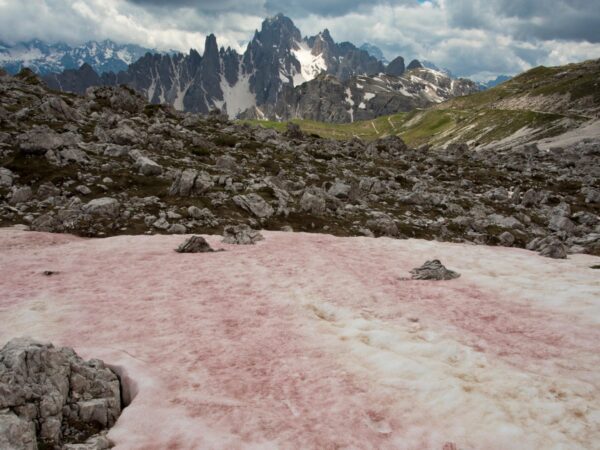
pixel 475 38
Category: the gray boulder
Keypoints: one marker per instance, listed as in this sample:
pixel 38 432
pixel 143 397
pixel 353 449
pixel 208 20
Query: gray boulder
pixel 21 195
pixel 148 167
pixel 16 433
pixel 49 396
pixel 433 270
pixel 313 201
pixel 506 239
pixel 339 190
pixel 6 177
pixel 38 141
pixel 103 207
pixel 382 225
pixel 190 182
pixel 195 244
pixel 241 235
pixel 255 204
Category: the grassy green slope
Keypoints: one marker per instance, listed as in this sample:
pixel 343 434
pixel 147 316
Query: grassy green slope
pixel 488 116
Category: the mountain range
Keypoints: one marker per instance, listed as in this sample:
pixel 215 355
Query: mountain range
pixel 264 80
pixel 44 59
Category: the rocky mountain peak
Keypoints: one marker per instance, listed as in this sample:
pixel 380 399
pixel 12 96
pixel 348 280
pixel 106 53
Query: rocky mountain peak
pixel 279 30
pixel 396 67
pixel 414 64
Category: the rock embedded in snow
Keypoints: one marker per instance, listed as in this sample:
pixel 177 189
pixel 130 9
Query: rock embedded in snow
pixel 195 244
pixel 241 235
pixel 52 396
pixel 433 270
pixel 550 247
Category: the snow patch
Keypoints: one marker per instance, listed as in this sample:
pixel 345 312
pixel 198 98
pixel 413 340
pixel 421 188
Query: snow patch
pixel 310 65
pixel 238 97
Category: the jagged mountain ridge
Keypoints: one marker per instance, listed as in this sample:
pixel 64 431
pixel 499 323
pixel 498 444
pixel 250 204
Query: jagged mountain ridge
pixel 277 55
pixel 262 79
pixel 327 99
pixel 44 59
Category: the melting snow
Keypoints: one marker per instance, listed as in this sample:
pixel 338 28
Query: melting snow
pixel 311 65
pixel 238 97
pixel 351 103
pixel 311 341
pixel 369 96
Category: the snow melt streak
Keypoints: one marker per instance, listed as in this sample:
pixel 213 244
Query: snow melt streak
pixel 311 341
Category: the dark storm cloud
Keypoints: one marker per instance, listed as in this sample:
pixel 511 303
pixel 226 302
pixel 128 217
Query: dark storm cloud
pixel 292 8
pixel 531 19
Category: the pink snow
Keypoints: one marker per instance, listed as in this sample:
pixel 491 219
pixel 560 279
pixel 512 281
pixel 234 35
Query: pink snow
pixel 313 341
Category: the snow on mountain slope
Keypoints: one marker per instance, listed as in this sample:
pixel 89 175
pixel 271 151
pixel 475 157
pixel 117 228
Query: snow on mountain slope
pixel 311 341
pixel 43 58
pixel 311 65
pixel 239 97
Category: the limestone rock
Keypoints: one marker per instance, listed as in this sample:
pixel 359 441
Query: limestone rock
pixel 433 270
pixel 254 204
pixel 241 234
pixel 103 207
pixel 195 244
pixel 52 396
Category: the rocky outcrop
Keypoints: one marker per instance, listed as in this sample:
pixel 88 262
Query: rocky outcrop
pixel 50 397
pixel 329 99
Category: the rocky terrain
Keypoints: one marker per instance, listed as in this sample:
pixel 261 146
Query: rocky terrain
pixel 51 399
pixel 45 59
pixel 109 163
pixel 327 99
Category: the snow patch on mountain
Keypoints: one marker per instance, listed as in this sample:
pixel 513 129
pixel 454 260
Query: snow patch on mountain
pixel 239 97
pixel 311 65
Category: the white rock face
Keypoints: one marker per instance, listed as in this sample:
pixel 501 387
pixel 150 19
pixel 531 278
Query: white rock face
pixel 327 340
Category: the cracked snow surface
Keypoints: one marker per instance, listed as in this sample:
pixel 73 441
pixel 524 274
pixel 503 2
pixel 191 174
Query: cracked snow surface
pixel 314 341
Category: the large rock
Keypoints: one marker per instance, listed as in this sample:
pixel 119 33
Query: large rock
pixel 195 244
pixel 241 235
pixel 190 182
pixel 550 247
pixel 313 201
pixel 382 225
pixel 255 204
pixel 16 433
pixel 433 270
pixel 38 141
pixel 21 195
pixel 103 207
pixel 147 167
pixel 52 396
pixel 6 177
